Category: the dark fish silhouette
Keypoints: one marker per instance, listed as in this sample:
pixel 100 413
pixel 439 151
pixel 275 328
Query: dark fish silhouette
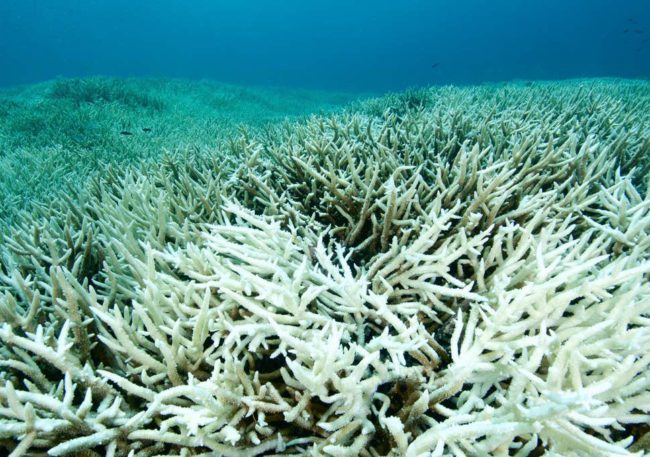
pixel 626 31
pixel 632 20
pixel 146 129
pixel 125 132
pixel 638 32
pixel 435 65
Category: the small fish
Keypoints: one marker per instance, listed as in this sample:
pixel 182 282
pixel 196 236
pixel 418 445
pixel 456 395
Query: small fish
pixel 638 32
pixel 125 132
pixel 435 65
pixel 146 129
pixel 626 31
pixel 632 20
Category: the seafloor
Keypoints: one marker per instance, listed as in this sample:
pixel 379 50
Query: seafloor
pixel 201 269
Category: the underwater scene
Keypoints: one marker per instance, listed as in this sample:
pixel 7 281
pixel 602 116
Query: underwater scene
pixel 253 228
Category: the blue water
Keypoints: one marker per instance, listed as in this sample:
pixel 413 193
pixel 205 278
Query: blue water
pixel 331 44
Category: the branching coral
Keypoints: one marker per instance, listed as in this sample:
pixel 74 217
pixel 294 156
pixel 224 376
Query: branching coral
pixel 62 132
pixel 419 282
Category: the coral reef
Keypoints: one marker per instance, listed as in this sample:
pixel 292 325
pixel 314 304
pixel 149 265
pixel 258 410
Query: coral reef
pixel 61 132
pixel 454 272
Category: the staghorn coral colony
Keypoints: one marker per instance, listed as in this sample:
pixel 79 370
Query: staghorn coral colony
pixel 63 131
pixel 450 271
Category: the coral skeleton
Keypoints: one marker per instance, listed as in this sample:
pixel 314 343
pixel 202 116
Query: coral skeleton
pixel 447 272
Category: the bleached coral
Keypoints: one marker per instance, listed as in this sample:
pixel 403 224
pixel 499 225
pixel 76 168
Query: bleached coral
pixel 421 282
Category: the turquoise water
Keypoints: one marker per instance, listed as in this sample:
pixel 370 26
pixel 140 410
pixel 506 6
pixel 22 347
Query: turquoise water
pixel 361 45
